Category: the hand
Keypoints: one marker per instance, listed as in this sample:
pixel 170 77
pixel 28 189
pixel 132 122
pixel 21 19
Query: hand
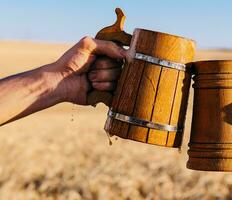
pixel 90 64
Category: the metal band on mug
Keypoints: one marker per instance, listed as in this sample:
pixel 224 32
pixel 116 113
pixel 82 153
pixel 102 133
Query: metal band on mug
pixel 143 123
pixel 161 62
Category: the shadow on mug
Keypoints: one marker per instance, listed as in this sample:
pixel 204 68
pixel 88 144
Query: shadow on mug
pixel 227 111
pixel 184 102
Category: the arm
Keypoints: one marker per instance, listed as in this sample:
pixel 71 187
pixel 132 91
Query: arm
pixel 28 92
pixel 69 79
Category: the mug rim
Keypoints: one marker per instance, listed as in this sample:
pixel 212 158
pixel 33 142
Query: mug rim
pixel 168 34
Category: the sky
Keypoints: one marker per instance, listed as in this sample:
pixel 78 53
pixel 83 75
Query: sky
pixel 208 22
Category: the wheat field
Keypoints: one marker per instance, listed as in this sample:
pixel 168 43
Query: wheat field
pixel 63 152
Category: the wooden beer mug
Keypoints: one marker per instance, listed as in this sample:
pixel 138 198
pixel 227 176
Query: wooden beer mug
pixel 210 146
pixel 150 101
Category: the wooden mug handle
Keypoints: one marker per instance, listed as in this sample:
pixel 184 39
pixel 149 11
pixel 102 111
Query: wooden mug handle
pixel 116 34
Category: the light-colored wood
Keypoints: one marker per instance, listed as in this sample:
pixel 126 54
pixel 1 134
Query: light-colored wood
pixel 163 105
pixel 178 112
pixel 117 34
pixel 210 146
pixel 132 85
pixel 147 91
pixel 152 92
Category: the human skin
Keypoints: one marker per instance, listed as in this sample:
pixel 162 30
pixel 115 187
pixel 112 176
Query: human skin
pixel 90 64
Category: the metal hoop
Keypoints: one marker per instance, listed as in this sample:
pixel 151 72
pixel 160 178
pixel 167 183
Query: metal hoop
pixel 161 62
pixel 143 123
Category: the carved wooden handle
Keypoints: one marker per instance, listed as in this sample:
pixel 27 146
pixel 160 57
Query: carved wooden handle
pixel 114 33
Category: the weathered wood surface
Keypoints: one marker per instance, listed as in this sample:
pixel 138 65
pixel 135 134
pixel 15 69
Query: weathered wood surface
pixel 147 91
pixel 210 146
pixel 152 92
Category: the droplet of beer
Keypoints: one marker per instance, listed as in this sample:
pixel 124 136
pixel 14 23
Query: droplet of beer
pixel 72 113
pixel 110 141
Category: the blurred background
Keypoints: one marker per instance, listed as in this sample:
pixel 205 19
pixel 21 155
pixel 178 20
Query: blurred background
pixel 63 152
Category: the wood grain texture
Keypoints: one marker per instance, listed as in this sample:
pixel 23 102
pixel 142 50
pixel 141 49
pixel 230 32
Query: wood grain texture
pixel 129 93
pixel 116 31
pixel 146 95
pixel 154 93
pixel 179 112
pixel 116 34
pixel 210 144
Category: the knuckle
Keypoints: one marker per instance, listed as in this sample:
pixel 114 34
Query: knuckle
pixel 87 39
pixel 87 42
pixel 98 86
pixel 107 85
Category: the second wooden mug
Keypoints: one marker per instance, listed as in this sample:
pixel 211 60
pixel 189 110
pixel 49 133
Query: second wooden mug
pixel 210 146
pixel 150 101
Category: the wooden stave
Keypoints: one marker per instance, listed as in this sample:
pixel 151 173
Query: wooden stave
pixel 133 132
pixel 214 146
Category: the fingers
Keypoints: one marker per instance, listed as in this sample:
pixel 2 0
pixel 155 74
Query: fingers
pixel 105 69
pixel 101 47
pixel 105 74
pixel 104 86
pixel 104 62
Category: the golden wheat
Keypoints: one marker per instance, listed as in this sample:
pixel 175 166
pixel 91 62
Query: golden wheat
pixel 49 156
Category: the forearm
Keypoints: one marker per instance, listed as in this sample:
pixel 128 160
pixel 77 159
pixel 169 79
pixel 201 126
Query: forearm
pixel 29 92
pixel 90 64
